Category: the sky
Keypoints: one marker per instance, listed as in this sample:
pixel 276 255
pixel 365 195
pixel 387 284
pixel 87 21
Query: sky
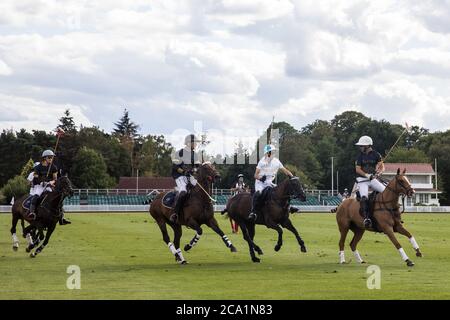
pixel 227 66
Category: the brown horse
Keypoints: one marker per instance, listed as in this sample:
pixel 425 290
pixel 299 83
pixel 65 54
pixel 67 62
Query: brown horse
pixel 197 210
pixel 48 214
pixel 386 216
pixel 274 214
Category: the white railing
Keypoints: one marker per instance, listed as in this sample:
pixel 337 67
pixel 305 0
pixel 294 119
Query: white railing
pixel 218 208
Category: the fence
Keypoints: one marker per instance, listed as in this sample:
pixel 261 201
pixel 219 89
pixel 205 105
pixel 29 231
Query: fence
pixel 145 208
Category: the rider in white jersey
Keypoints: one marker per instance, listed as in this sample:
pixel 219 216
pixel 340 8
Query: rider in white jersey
pixel 266 172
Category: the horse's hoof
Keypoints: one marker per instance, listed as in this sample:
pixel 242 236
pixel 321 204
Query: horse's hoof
pixel 277 248
pixel 15 248
pixel 256 260
pixel 303 249
pixel 409 263
pixel 183 263
pixel 259 252
pixel 187 248
pixel 343 262
pixel 28 250
pixel 32 255
pixel 419 254
pixel 233 249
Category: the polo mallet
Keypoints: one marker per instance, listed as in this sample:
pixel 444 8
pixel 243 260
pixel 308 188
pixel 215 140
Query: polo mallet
pixel 407 130
pixel 59 133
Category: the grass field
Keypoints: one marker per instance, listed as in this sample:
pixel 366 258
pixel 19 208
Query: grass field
pixel 122 256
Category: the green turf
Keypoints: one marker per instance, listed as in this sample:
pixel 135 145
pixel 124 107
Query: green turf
pixel 123 257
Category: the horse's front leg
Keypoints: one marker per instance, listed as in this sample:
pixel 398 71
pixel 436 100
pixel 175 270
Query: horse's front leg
pixel 400 229
pixel 50 230
pixel 195 226
pixel 212 223
pixel 288 225
pixel 272 225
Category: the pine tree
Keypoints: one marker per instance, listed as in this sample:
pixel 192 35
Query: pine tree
pixel 67 123
pixel 127 133
pixel 126 128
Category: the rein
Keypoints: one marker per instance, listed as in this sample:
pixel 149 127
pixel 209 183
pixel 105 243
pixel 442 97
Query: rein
pixel 397 193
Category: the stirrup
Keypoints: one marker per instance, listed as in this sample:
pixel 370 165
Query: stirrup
pixel 174 217
pixel 367 223
pixel 252 216
pixel 32 215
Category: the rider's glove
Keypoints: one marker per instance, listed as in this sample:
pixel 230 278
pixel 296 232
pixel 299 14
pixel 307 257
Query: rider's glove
pixel 370 176
pixel 263 179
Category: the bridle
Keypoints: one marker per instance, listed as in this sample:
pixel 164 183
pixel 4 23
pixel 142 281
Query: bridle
pixel 408 191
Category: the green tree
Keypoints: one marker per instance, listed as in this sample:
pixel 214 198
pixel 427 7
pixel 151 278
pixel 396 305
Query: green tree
pixel 15 188
pixel 89 171
pixel 155 156
pixel 405 155
pixel 67 123
pixel 27 169
pixel 126 131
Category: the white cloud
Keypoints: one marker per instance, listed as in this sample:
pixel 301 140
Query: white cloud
pixel 18 112
pixel 233 64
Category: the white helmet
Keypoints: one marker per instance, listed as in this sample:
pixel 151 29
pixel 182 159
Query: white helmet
pixel 365 141
pixel 48 153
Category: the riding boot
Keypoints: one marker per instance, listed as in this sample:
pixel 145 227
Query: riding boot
pixel 255 202
pixel 365 209
pixel 33 205
pixel 179 201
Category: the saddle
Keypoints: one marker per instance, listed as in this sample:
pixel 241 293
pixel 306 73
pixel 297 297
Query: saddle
pixel 169 199
pixel 26 204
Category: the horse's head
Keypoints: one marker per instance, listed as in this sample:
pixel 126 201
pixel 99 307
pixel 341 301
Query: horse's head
pixel 208 172
pixel 295 189
pixel 64 186
pixel 402 184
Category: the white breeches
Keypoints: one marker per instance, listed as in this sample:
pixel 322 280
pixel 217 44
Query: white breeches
pixel 364 186
pixel 183 181
pixel 39 189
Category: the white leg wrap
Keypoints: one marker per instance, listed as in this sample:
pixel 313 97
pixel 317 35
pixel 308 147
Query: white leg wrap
pixel 403 254
pixel 414 243
pixel 29 239
pixel 195 240
pixel 14 238
pixel 172 248
pixel 227 241
pixel 341 257
pixel 181 255
pixel 358 256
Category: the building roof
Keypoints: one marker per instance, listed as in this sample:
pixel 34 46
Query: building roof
pixel 422 168
pixel 146 183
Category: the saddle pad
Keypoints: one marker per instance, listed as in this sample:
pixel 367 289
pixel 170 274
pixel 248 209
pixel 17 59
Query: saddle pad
pixel 169 199
pixel 26 204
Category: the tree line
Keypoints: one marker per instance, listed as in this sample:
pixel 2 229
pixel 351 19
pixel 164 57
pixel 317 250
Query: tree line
pixel 97 159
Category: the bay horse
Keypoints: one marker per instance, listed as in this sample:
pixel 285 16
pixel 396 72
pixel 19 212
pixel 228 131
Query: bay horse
pixel 48 214
pixel 386 218
pixel 274 214
pixel 197 210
